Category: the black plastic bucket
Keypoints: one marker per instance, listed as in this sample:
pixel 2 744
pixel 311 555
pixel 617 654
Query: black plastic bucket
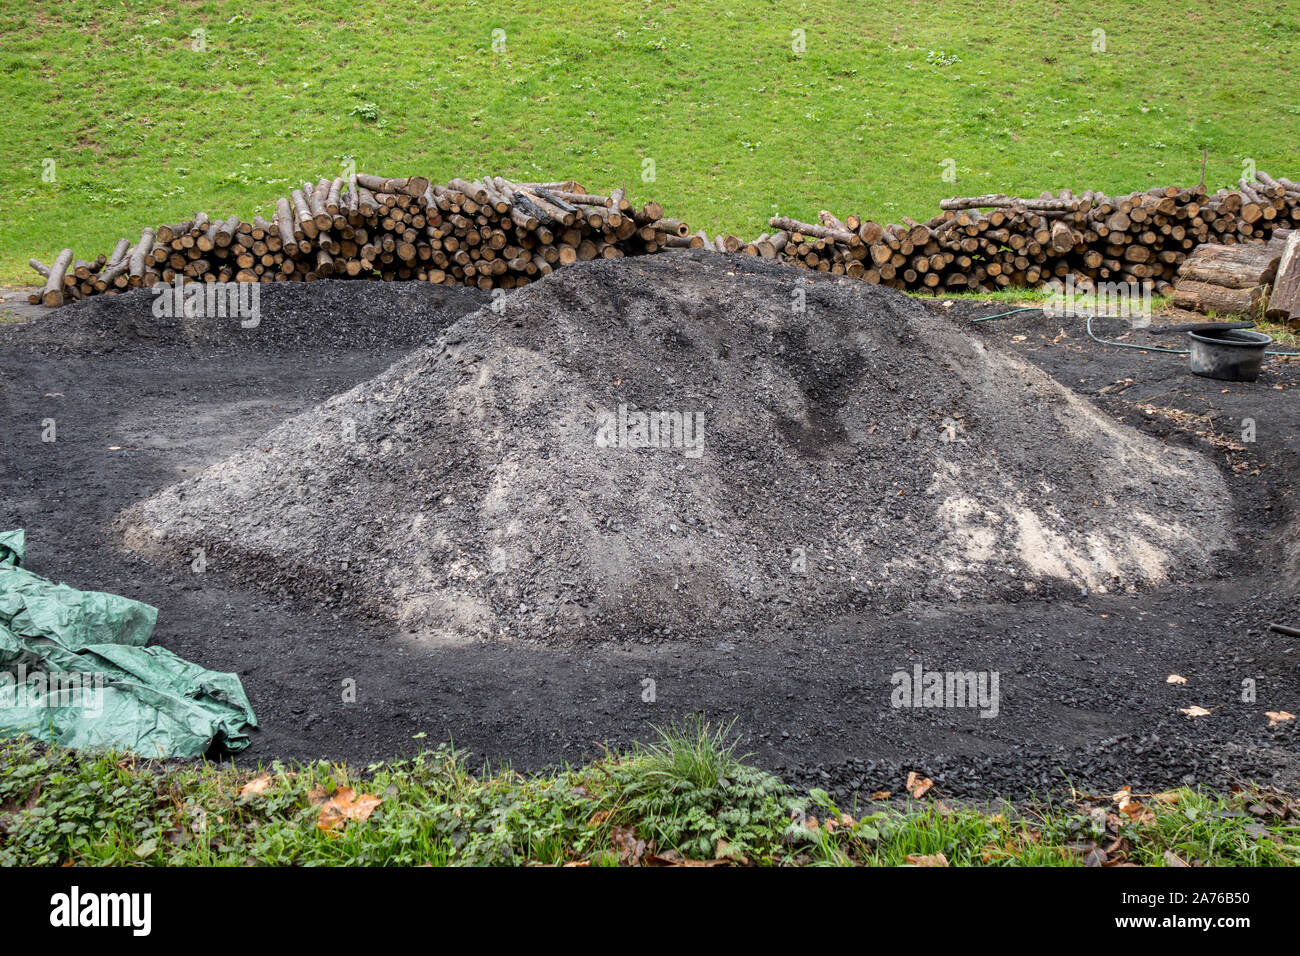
pixel 1233 355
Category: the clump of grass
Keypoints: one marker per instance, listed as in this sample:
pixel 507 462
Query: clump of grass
pixel 691 754
pixel 690 791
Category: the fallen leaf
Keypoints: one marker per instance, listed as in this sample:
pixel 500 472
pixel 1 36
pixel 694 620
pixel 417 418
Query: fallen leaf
pixel 255 787
pixel 1278 716
pixel 630 849
pixel 1173 859
pixel 1175 679
pixel 343 806
pixel 1136 812
pixel 917 785
pixel 927 859
pixel 317 795
pixel 1194 711
pixel 723 851
pixel 881 795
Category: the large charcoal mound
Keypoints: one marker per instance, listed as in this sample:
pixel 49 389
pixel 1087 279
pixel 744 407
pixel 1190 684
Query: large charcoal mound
pixel 858 454
pixel 331 313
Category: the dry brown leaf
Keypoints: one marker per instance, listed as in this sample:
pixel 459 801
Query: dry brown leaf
pixel 927 859
pixel 1195 711
pixel 255 787
pixel 723 851
pixel 345 805
pixel 630 849
pixel 1175 679
pixel 317 795
pixel 917 785
pixel 1136 812
pixel 1173 859
pixel 881 795
pixel 1278 716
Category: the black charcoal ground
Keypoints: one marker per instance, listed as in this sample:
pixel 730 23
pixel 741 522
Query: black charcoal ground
pixel 1083 677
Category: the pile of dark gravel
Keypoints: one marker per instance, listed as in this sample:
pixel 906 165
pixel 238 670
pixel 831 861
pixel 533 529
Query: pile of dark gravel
pixel 330 314
pixel 858 453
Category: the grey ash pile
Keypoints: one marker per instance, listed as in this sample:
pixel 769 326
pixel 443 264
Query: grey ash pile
pixel 828 448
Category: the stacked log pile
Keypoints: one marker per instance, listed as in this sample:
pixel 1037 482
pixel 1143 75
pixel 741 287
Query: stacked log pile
pixel 983 243
pixel 494 233
pixel 491 232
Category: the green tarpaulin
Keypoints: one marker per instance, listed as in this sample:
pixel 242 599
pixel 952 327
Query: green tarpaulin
pixel 74 671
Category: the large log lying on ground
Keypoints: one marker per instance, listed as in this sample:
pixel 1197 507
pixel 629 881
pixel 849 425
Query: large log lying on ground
pixel 1221 300
pixel 1227 280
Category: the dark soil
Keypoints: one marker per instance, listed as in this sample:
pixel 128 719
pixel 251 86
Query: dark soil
pixel 1084 698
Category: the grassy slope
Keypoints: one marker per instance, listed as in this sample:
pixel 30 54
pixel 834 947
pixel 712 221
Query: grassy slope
pixel 143 129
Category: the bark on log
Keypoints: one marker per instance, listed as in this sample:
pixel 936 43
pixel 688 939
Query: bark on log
pixel 1234 267
pixel 1284 303
pixel 1204 297
pixel 52 294
pixel 998 200
pixel 137 260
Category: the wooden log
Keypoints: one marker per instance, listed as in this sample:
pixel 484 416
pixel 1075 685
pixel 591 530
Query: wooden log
pixel 137 261
pixel 674 227
pixel 810 229
pixel 1204 297
pixel 998 200
pixel 1241 266
pixel 1284 303
pixel 306 223
pixel 413 186
pixel 53 293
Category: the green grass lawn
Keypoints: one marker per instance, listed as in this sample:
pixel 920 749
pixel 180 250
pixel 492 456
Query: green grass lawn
pixel 688 797
pixel 142 128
